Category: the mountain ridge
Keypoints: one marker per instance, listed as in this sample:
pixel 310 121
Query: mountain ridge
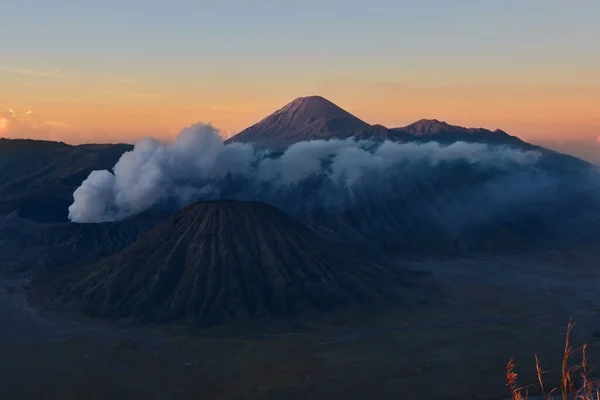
pixel 316 118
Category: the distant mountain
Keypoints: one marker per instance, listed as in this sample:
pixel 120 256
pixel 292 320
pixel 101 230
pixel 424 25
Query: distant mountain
pixel 308 118
pixel 314 117
pixel 457 208
pixel 216 261
pixel 37 181
pixel 434 130
pixel 448 208
pixel 39 177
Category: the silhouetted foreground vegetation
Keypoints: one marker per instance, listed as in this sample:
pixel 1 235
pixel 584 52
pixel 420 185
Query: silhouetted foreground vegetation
pixel 575 382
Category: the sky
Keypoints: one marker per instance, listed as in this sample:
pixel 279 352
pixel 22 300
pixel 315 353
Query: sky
pixel 106 71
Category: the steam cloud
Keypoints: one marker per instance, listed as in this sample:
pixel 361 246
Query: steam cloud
pixel 199 165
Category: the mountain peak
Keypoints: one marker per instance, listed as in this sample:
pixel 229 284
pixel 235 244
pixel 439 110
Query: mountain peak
pixel 307 108
pixel 433 129
pixel 305 118
pixel 310 99
pixel 426 127
pixel 316 118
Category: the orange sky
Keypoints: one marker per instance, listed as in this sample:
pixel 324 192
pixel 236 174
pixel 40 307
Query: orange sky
pixel 125 111
pixel 103 71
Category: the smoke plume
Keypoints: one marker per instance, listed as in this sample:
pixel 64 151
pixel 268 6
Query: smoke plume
pixel 199 165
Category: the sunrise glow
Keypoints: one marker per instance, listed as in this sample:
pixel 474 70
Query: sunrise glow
pixel 528 69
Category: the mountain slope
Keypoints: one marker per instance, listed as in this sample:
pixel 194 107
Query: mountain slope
pixel 434 130
pixel 27 245
pixel 37 181
pixel 314 117
pixel 39 177
pixel 222 260
pixel 458 209
pixel 308 118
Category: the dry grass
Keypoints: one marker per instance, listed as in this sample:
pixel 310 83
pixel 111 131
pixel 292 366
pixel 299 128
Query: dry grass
pixel 570 388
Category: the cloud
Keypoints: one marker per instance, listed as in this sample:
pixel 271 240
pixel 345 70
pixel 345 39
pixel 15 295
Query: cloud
pixel 229 109
pixel 588 150
pixel 30 125
pixel 26 125
pixel 199 165
pixel 32 72
pixel 227 133
pixel 147 95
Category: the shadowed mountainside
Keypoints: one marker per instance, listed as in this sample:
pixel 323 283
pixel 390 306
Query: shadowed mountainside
pixel 216 261
pixel 26 244
pixel 39 177
pixel 438 216
pixel 37 181
pixel 453 208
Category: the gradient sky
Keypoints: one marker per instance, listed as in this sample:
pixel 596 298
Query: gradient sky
pixel 117 70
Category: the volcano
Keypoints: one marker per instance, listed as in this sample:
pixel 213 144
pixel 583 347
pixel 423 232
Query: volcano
pixel 216 261
pixel 440 131
pixel 308 118
pixel 314 118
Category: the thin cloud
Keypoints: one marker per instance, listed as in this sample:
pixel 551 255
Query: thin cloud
pixel 28 125
pixel 32 72
pixel 217 107
pixel 235 109
pixel 147 95
pixel 587 149
pixel 15 124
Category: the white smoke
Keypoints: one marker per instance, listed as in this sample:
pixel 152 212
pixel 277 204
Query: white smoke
pixel 198 161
